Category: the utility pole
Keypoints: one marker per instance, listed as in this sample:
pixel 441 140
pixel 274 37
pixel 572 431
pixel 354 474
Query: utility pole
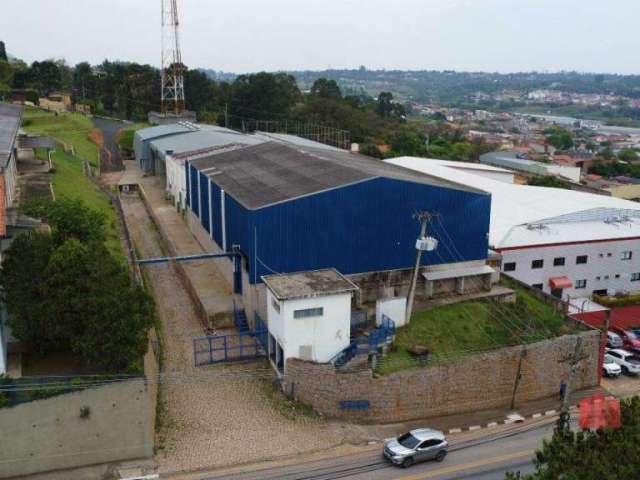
pixel 523 354
pixel 603 339
pixel 226 115
pixel 423 243
pixel 575 359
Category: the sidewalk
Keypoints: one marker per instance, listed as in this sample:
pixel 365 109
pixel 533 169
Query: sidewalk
pixel 210 292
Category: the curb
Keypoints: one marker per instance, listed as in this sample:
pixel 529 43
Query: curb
pixel 515 418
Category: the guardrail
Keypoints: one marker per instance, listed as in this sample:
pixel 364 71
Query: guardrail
pixel 366 344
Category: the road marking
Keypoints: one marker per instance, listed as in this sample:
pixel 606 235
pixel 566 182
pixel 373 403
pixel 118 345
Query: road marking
pixel 467 466
pixel 536 415
pixel 474 427
pixel 492 424
pixel 550 412
pixel 455 430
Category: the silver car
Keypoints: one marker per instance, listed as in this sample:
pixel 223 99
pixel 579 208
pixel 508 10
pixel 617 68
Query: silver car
pixel 416 446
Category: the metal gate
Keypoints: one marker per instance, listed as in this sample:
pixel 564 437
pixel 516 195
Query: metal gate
pixel 213 349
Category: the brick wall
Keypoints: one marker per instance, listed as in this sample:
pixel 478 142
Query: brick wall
pixel 477 382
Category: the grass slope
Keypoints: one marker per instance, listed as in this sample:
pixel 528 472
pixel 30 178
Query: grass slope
pixel 69 181
pixel 71 128
pixel 453 331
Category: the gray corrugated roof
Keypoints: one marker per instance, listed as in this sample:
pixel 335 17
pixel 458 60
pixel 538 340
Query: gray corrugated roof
pixel 163 130
pixel 204 138
pixel 273 172
pixel 10 116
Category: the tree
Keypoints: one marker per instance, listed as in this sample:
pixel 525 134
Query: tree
pixel 628 155
pixel 3 52
pixel 591 455
pixel 326 89
pixel 45 76
pixel 385 105
pixel 64 291
pixel 548 181
pixel 559 137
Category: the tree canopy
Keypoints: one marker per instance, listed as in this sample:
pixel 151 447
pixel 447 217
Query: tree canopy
pixel 65 292
pixel 608 454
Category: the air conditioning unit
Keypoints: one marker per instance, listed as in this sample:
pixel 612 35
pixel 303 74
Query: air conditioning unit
pixel 427 244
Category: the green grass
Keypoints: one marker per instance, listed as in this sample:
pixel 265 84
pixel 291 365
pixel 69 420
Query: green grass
pixel 125 138
pixel 70 128
pixel 453 331
pixel 69 181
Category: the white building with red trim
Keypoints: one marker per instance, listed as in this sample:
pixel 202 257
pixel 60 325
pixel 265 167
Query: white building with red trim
pixel 567 243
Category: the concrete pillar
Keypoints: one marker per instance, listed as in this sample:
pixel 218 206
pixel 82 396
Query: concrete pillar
pixel 460 285
pixel 428 288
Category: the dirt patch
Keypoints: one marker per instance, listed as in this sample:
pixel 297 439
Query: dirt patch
pixel 96 137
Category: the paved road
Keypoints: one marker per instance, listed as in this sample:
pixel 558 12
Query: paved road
pixel 486 458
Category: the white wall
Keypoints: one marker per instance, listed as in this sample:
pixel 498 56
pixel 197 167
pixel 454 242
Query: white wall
pixel 572 173
pixel 176 181
pixel 596 266
pixel 327 335
pixel 395 308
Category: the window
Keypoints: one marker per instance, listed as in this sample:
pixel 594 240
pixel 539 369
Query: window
pixel 537 264
pixel 608 254
pixel 614 354
pixel 430 443
pixel 408 441
pixel 558 261
pixel 275 304
pixel 606 277
pixel 626 255
pixel 617 275
pixel 308 312
pixel 581 259
pixel 537 285
pixel 601 255
pixel 581 284
pixel 598 278
pixel 635 277
pixel 509 267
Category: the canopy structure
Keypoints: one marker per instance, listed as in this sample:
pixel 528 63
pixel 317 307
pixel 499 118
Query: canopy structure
pixel 560 282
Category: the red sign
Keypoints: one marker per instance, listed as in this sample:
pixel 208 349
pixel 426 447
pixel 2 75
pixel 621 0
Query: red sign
pixel 598 412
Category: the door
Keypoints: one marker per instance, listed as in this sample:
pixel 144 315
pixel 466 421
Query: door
pixel 428 450
pixel 557 292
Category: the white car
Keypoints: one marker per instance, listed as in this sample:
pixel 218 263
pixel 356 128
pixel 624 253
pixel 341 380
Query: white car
pixel 610 368
pixel 629 362
pixel 614 340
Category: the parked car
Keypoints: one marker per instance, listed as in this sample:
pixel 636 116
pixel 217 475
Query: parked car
pixel 630 340
pixel 614 340
pixel 610 368
pixel 629 362
pixel 416 446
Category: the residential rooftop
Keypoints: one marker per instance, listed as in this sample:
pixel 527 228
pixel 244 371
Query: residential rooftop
pixel 312 283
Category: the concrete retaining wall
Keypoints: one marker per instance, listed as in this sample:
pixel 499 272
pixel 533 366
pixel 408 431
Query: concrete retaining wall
pixel 50 434
pixel 476 382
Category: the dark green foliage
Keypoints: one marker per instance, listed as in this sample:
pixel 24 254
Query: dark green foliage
pixel 591 455
pixel 326 89
pixel 3 51
pixel 628 155
pixel 385 105
pixel 559 137
pixel 64 291
pixel 614 169
pixel 548 181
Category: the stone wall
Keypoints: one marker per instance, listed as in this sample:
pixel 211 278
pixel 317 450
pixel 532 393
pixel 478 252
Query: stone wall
pixel 476 382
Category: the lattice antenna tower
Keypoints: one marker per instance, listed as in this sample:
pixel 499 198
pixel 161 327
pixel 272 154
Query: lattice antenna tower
pixel 172 96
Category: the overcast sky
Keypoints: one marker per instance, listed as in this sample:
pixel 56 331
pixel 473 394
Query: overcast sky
pixel 252 35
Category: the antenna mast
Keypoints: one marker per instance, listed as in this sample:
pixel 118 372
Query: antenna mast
pixel 172 96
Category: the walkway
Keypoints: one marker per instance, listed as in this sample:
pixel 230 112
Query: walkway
pixel 209 290
pixel 215 415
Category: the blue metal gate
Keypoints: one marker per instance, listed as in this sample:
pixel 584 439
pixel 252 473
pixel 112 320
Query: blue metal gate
pixel 214 349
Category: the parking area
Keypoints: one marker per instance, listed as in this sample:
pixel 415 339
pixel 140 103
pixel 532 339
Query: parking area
pixel 622 386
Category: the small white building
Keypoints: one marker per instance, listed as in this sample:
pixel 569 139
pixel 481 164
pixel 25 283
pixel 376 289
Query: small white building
pixel 308 315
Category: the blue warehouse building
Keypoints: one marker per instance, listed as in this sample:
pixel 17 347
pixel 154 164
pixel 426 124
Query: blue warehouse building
pixel 294 207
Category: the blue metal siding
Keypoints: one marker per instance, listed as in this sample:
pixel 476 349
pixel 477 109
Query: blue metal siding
pixel 186 176
pixel 368 227
pixel 204 195
pixel 365 227
pixel 195 205
pixel 216 215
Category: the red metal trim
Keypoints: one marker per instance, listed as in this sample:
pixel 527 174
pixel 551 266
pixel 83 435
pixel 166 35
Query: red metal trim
pixel 542 245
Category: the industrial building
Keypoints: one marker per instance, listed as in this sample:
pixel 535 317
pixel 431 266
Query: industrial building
pixel 565 242
pixel 291 205
pixel 511 161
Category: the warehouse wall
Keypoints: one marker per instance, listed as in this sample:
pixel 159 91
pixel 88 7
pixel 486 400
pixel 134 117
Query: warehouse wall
pixel 364 227
pixel 456 387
